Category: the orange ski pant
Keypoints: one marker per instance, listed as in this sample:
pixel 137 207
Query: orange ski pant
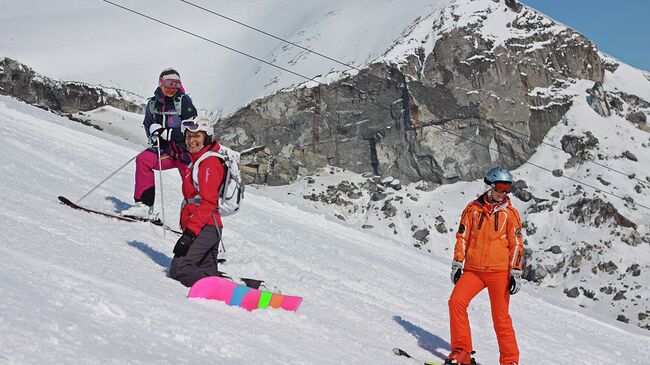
pixel 467 287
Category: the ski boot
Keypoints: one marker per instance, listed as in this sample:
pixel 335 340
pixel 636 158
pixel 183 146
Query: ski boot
pixel 460 357
pixel 140 211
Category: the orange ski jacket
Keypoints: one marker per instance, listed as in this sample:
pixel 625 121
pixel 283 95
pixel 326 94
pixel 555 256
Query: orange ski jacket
pixel 489 236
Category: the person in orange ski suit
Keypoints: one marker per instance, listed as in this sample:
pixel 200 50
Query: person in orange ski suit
pixel 490 243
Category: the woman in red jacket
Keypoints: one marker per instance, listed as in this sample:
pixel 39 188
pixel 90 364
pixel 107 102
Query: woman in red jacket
pixel 195 253
pixel 489 241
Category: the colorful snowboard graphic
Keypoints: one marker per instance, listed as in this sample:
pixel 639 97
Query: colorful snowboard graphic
pixel 214 287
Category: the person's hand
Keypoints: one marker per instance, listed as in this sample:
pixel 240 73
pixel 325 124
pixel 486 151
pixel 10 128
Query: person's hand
pixel 183 244
pixel 456 271
pixel 515 281
pixel 157 131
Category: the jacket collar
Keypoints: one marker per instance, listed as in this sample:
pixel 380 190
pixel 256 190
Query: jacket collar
pixel 158 94
pixel 214 146
pixel 488 208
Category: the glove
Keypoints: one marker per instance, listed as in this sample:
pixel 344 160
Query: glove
pixel 456 271
pixel 157 131
pixel 183 244
pixel 515 281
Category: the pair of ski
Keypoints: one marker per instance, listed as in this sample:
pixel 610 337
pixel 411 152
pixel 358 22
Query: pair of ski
pixel 399 352
pixel 125 218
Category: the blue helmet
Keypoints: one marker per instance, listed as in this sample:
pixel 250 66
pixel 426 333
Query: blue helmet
pixel 497 174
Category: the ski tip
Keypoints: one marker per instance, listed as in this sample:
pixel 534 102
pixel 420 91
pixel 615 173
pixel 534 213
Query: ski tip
pixel 64 200
pixel 400 352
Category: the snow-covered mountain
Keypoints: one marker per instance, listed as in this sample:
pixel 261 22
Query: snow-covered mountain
pixel 81 288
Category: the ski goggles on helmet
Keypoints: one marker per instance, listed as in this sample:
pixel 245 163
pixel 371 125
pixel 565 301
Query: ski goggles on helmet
pixel 170 83
pixel 190 125
pixel 502 187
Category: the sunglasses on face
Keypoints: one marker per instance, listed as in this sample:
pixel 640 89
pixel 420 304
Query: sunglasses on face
pixel 170 83
pixel 503 187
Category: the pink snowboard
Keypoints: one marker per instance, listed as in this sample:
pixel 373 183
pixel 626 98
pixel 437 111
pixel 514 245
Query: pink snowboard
pixel 214 287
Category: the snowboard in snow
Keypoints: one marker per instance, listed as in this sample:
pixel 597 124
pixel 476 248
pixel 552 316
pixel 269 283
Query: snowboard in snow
pixel 125 218
pixel 216 288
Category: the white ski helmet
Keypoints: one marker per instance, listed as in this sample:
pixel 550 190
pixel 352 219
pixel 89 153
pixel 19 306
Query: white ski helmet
pixel 199 123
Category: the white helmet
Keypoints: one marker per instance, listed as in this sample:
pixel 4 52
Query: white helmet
pixel 198 123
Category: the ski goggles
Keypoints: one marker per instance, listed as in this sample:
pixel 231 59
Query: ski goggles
pixel 190 125
pixel 170 83
pixel 503 187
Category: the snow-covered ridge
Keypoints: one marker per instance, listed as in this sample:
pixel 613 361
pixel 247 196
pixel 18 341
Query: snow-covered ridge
pixel 23 83
pixel 492 20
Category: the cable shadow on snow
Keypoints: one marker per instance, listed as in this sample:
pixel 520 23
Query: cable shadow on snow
pixel 156 256
pixel 118 204
pixel 426 340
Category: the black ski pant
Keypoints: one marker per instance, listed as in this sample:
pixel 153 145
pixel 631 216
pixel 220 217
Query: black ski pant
pixel 201 258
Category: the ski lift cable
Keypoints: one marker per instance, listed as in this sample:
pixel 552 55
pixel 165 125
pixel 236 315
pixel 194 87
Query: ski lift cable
pixel 211 41
pixel 270 34
pixel 381 106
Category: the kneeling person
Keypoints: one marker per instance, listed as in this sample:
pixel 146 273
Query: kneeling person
pixel 195 253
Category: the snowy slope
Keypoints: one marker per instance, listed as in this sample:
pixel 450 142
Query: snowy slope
pixel 116 122
pixel 80 288
pixel 96 42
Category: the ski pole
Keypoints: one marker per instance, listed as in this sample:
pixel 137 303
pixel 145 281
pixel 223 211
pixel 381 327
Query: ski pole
pixel 162 197
pixel 109 176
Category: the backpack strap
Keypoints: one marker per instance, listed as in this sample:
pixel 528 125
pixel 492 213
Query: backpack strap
pixel 151 105
pixel 195 169
pixel 178 106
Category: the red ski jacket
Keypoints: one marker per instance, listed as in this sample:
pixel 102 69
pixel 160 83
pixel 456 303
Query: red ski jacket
pixel 211 173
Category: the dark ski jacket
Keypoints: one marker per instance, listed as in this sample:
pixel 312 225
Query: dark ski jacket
pixel 161 106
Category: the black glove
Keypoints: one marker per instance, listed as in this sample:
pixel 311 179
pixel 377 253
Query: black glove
pixel 515 281
pixel 183 244
pixel 456 271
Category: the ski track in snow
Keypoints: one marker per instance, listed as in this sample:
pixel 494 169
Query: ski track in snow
pixel 81 288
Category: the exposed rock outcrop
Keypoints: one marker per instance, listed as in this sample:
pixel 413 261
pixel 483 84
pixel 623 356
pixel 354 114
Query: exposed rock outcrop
pixel 597 100
pixel 24 84
pixel 597 212
pixel 579 148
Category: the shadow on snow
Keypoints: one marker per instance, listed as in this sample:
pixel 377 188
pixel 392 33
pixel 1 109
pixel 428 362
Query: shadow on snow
pixel 426 340
pixel 156 256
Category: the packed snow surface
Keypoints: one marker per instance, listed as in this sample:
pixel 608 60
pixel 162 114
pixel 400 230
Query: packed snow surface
pixel 82 288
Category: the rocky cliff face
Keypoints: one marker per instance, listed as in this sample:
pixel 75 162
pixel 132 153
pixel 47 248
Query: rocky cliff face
pixel 440 115
pixel 24 84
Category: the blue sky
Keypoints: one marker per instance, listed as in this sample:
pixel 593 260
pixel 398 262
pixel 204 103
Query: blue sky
pixel 619 28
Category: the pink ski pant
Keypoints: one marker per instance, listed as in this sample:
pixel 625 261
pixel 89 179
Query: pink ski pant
pixel 146 163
